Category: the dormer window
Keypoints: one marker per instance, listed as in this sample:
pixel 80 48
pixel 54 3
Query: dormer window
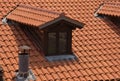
pixel 57 43
pixel 50 31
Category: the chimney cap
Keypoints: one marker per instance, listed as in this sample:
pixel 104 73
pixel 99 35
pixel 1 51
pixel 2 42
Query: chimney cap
pixel 24 47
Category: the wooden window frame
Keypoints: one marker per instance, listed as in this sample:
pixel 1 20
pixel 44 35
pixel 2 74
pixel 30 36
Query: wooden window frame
pixel 68 43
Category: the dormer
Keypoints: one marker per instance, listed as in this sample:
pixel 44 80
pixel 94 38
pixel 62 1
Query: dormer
pixel 109 10
pixel 50 31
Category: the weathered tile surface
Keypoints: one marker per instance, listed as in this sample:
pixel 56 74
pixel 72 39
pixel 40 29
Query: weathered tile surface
pixel 97 45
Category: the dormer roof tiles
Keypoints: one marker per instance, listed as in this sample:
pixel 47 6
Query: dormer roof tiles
pixel 30 15
pixel 38 17
pixel 109 9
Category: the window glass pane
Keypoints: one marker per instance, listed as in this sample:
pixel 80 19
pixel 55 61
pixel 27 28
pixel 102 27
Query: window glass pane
pixel 62 42
pixel 51 43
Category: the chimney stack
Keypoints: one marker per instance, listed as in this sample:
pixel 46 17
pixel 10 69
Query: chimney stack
pixel 24 61
pixel 24 73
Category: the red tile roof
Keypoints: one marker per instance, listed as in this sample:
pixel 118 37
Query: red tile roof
pixel 97 45
pixel 38 17
pixel 31 16
pixel 110 9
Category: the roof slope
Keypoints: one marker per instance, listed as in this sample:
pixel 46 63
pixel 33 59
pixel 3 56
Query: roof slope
pixel 97 45
pixel 31 16
pixel 110 9
pixel 38 17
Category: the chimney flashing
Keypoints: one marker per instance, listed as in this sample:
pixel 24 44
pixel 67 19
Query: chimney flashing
pixel 30 77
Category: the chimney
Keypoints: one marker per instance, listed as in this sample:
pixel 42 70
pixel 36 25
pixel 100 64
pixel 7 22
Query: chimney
pixel 24 61
pixel 24 73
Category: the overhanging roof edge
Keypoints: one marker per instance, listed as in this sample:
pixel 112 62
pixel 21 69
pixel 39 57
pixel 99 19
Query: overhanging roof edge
pixel 77 23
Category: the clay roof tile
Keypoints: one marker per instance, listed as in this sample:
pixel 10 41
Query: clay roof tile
pixel 109 8
pixel 96 45
pixel 38 17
